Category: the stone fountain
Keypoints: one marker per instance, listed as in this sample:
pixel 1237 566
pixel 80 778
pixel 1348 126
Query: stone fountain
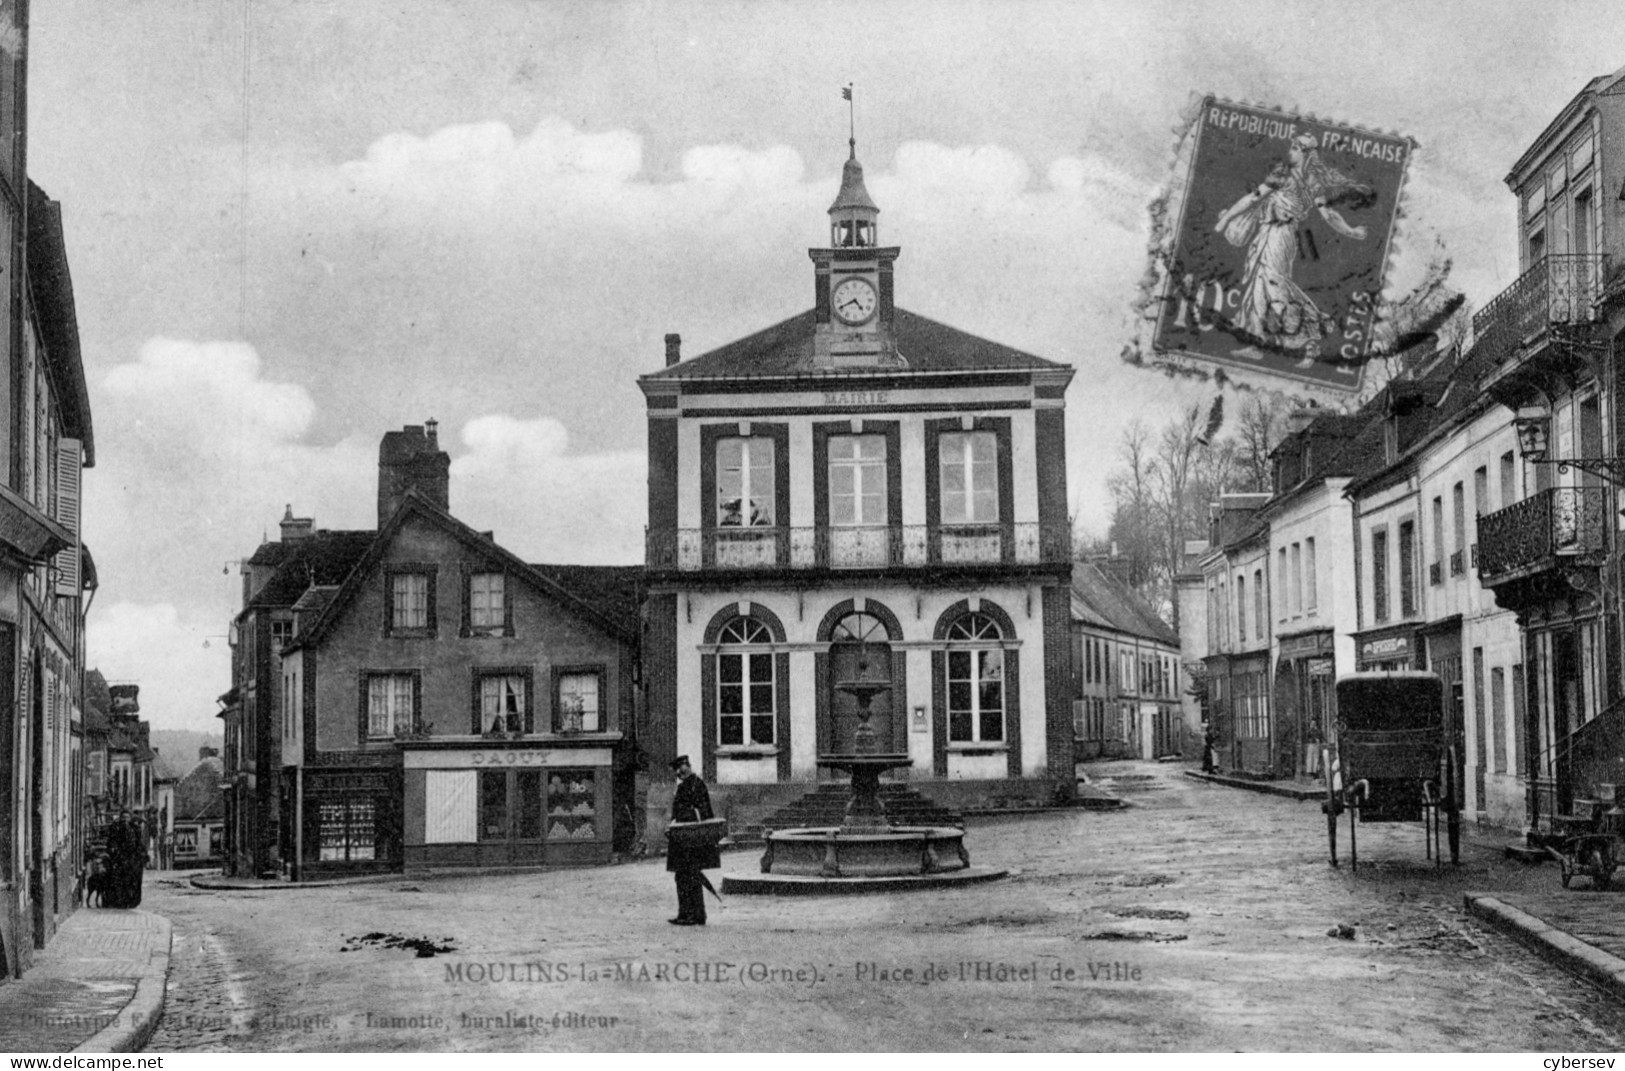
pixel 866 851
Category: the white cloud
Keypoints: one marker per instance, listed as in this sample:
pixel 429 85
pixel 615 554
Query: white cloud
pixel 545 502
pixel 181 661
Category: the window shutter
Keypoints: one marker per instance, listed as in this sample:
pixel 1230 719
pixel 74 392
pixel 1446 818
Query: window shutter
pixel 69 464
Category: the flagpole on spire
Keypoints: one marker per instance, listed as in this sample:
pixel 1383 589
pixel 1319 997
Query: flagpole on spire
pixel 851 122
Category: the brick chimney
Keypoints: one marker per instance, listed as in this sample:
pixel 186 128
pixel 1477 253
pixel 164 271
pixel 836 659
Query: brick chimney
pixel 411 460
pixel 674 349
pixel 296 528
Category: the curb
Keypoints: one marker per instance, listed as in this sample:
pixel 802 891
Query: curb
pixel 1562 948
pixel 132 1028
pixel 1267 787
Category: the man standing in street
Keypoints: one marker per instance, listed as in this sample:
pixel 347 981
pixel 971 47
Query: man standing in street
pixel 686 858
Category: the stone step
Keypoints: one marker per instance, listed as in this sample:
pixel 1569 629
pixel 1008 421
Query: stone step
pixel 826 806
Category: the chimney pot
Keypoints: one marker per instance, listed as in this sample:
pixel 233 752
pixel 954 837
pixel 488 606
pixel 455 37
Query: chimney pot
pixel 674 349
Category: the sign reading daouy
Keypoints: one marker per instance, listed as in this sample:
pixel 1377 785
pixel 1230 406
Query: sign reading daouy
pixel 1277 264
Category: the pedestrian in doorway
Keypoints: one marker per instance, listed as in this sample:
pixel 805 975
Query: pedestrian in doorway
pixel 1210 750
pixel 686 859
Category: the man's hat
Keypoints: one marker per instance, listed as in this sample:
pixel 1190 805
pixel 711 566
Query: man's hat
pixel 679 762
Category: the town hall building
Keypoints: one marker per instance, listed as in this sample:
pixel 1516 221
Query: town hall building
pixel 858 493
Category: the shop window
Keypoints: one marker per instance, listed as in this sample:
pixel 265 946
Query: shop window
pixel 572 800
pixel 347 830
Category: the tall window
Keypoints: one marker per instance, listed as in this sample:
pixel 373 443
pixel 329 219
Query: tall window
pixel 975 681
pixel 1241 608
pixel 1280 571
pixel 502 703
pixel 1407 568
pixel 1438 536
pixel 1260 611
pixel 1458 503
pixel 857 480
pixel 745 482
pixel 1509 480
pixel 390 699
pixel 1379 575
pixel 970 492
pixel 486 609
pixel 580 701
pixel 409 603
pixel 1310 600
pixel 746 692
pixel 1297 578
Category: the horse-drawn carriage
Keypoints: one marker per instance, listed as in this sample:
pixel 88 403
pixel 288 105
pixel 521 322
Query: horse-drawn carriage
pixel 1394 760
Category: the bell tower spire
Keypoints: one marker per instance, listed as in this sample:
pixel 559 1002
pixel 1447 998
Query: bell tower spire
pixel 853 276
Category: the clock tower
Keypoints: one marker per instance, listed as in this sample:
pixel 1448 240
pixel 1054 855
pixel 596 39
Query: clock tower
pixel 853 309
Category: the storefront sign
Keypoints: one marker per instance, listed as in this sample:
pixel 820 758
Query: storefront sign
pixel 1386 649
pixel 505 758
pixel 1319 667
pixel 1277 264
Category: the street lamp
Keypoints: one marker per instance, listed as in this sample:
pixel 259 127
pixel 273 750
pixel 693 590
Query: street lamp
pixel 1534 427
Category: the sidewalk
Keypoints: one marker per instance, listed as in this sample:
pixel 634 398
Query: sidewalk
pixel 97 987
pixel 1581 929
pixel 1302 788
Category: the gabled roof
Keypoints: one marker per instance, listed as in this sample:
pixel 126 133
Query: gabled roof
pixel 414 506
pixel 1101 600
pixel 319 559
pixel 199 795
pixel 786 349
pixel 615 590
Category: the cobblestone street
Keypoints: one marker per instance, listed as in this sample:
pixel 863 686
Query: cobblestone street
pixel 1197 918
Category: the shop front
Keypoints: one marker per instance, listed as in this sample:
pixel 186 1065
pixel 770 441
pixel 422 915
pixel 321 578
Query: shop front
pixel 509 803
pixel 1305 700
pixel 1240 700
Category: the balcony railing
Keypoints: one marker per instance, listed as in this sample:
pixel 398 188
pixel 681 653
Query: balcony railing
pixel 879 547
pixel 1534 533
pixel 1559 289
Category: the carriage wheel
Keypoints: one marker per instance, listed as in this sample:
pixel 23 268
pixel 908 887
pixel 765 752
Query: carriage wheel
pixel 1566 869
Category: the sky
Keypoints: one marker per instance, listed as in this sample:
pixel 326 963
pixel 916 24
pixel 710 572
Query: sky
pixel 295 225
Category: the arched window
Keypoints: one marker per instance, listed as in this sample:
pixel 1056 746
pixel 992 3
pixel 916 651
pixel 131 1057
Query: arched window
pixel 976 699
pixel 745 683
pixel 859 628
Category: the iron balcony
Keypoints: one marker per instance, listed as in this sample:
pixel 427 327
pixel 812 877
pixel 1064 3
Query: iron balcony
pixel 1545 530
pixel 837 548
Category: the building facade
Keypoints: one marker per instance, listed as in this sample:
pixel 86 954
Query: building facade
pixel 1236 677
pixel 1127 675
pixel 859 492
pixel 448 704
pixel 1545 349
pixel 46 445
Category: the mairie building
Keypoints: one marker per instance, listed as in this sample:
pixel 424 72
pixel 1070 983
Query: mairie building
pixel 858 492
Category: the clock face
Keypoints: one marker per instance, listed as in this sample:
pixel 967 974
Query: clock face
pixel 854 301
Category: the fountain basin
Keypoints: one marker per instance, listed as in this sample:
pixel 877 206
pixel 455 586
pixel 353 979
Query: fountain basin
pixel 842 852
